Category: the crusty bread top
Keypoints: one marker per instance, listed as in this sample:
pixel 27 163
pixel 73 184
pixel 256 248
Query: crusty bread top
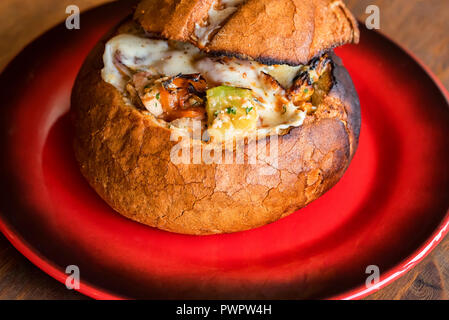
pixel 272 32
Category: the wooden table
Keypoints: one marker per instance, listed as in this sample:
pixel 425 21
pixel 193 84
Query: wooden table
pixel 422 26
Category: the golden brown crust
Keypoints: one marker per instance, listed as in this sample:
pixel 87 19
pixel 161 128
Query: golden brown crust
pixel 176 18
pixel 281 31
pixel 126 159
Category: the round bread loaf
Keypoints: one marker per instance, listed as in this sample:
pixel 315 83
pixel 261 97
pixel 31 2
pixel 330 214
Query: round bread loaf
pixel 126 156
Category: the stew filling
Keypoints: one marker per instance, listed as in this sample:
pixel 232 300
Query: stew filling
pixel 175 82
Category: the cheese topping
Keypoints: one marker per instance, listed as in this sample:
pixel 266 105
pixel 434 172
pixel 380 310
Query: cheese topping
pixel 127 55
pixel 220 11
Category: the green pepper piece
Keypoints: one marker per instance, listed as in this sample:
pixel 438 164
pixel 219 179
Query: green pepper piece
pixel 231 107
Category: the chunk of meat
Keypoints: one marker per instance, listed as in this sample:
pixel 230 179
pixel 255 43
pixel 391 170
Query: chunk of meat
pixel 171 98
pixel 302 89
pixel 311 79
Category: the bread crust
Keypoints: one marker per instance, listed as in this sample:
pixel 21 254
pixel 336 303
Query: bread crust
pixel 126 158
pixel 272 32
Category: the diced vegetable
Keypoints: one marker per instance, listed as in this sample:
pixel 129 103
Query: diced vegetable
pixel 231 108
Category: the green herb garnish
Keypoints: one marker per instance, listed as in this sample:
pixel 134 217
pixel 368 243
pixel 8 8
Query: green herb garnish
pixel 158 95
pixel 232 110
pixel 248 110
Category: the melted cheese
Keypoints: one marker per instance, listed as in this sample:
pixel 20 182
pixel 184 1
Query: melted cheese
pixel 126 53
pixel 156 57
pixel 219 12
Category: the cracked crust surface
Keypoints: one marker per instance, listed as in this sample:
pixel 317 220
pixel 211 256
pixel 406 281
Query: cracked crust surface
pixel 126 159
pixel 272 32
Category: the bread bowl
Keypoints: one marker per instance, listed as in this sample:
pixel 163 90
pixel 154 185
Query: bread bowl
pixel 277 113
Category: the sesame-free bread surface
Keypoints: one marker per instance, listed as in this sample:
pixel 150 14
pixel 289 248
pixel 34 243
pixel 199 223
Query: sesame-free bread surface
pixel 272 32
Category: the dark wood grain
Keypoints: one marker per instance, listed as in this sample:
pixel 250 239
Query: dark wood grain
pixel 422 26
pixel 24 20
pixel 20 279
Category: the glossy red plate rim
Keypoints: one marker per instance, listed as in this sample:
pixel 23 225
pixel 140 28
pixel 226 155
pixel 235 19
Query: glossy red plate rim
pixel 437 236
pixel 90 290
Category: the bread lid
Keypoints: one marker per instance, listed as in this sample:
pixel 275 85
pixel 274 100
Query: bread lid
pixel 272 32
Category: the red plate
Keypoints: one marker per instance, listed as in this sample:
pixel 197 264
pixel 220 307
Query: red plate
pixel 390 209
